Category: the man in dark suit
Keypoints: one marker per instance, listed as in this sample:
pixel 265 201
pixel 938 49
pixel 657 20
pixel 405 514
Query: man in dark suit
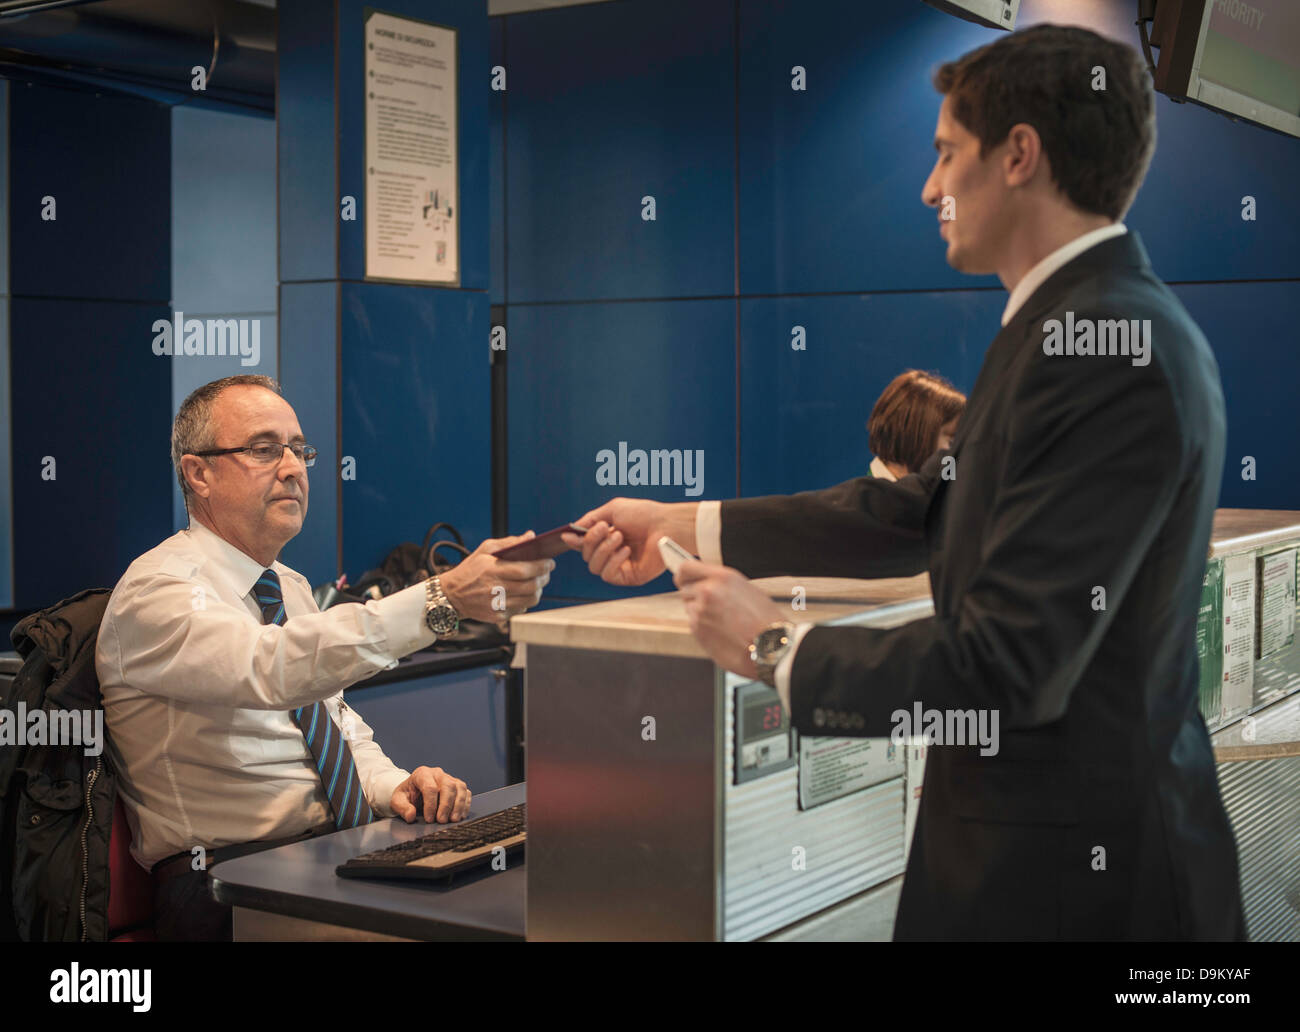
pixel 1065 532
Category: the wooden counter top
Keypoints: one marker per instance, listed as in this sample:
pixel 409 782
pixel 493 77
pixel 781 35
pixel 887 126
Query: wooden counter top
pixel 1237 530
pixel 657 624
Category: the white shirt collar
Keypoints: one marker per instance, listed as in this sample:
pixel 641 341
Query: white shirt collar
pixel 1036 276
pixel 244 569
pixel 879 469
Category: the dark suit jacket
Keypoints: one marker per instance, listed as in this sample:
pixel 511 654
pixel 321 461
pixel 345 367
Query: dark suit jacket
pixel 1100 815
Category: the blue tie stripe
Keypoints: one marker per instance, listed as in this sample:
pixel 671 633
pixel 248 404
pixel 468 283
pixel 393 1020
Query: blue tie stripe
pixel 324 749
pixel 315 712
pixel 266 592
pixel 338 763
pixel 343 806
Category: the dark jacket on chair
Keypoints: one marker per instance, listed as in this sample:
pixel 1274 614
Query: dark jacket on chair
pixel 1099 817
pixel 56 803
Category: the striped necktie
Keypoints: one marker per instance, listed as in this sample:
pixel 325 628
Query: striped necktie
pixel 334 763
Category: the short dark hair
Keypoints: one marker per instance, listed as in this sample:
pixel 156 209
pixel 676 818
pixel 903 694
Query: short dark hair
pixel 1098 142
pixel 906 420
pixel 192 429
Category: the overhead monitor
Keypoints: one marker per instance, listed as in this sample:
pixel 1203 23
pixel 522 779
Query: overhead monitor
pixel 998 14
pixel 1241 58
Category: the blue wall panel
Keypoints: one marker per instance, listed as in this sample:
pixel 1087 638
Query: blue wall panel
pixel 223 212
pixel 99 402
pixel 415 416
pixel 106 160
pixel 610 103
pixel 831 177
pixel 309 380
pixel 1252 328
pixel 308 204
pixel 497 100
pixel 585 377
pixel 803 414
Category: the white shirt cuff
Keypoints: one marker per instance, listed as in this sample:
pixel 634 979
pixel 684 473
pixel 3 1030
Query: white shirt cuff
pixel 708 531
pixel 402 617
pixel 786 667
pixel 384 785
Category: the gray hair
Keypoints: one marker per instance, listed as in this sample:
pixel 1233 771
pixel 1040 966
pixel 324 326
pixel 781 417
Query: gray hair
pixel 192 431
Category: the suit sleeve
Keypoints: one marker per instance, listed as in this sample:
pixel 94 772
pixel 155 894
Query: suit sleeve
pixel 1093 459
pixel 866 527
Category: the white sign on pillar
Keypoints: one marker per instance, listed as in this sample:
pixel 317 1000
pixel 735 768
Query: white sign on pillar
pixel 412 208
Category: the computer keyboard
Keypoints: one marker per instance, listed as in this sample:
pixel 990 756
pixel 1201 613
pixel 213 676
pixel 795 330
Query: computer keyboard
pixel 449 850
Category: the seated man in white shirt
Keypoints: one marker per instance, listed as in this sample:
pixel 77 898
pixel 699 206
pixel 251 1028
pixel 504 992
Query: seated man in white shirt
pixel 223 682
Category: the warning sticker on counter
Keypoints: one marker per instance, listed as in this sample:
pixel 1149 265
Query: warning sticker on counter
pixel 1238 635
pixel 1275 605
pixel 830 768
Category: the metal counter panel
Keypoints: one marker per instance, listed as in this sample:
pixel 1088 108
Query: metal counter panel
pixel 1260 796
pixel 622 841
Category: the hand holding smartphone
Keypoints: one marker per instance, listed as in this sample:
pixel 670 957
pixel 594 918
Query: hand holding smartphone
pixel 673 554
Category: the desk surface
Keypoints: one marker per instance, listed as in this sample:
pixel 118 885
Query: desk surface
pixel 657 624
pixel 298 880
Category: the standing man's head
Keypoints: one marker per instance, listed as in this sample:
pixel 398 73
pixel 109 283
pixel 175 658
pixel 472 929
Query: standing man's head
pixel 238 479
pixel 1042 135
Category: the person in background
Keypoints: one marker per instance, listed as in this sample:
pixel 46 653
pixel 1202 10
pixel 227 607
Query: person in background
pixel 914 417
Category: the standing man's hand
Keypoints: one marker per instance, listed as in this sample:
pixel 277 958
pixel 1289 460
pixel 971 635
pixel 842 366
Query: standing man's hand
pixel 433 792
pixel 472 584
pixel 621 545
pixel 726 612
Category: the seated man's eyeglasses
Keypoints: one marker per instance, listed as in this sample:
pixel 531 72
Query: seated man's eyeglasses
pixel 267 453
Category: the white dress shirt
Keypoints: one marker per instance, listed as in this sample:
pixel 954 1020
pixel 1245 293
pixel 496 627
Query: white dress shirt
pixel 708 516
pixel 198 692
pixel 1037 276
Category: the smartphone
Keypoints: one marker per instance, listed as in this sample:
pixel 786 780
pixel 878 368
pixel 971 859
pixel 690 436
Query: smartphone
pixel 543 546
pixel 673 554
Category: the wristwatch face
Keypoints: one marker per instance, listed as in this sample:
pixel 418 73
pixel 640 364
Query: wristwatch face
pixel 771 644
pixel 442 619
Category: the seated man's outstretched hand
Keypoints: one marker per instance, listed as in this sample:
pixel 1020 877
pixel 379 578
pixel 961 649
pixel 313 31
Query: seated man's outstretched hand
pixel 483 587
pixel 432 793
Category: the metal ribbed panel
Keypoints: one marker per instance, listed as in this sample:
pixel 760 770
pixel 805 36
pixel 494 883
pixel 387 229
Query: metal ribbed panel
pixel 849 845
pixel 1260 796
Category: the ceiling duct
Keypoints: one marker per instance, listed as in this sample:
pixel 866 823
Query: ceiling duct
pixel 155 44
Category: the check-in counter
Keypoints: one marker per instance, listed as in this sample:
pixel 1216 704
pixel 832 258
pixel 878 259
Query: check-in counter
pixel 1250 698
pixel 668 799
pixel 664 795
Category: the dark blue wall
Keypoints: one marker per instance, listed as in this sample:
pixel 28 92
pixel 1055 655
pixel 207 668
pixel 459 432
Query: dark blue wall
pixel 85 386
pixel 393 376
pixel 779 208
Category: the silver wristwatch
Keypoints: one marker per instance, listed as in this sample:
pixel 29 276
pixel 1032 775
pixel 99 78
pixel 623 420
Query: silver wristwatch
pixel 769 648
pixel 439 613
